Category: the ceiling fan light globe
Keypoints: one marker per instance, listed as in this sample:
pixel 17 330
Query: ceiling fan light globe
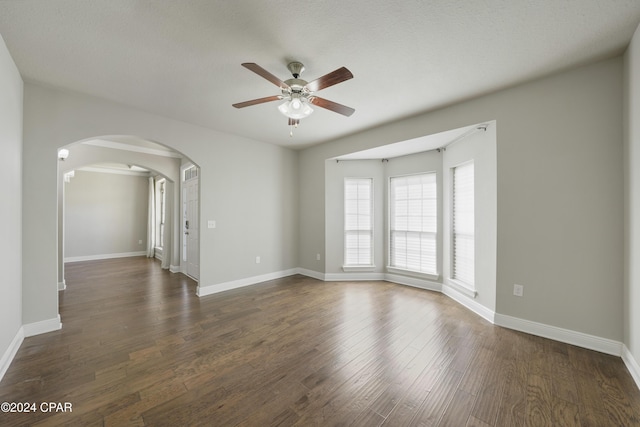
pixel 295 109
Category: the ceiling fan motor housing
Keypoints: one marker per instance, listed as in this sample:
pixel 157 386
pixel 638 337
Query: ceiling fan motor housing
pixel 295 86
pixel 296 69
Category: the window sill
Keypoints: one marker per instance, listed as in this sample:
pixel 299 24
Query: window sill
pixel 417 274
pixel 462 287
pixel 358 268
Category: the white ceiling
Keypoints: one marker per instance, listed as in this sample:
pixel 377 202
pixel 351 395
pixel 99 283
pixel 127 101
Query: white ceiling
pixel 412 146
pixel 181 59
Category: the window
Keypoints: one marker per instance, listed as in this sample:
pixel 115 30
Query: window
pixel 463 263
pixel 414 223
pixel 190 173
pixel 358 222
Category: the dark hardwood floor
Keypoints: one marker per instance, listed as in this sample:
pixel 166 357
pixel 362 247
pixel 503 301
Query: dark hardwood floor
pixel 138 347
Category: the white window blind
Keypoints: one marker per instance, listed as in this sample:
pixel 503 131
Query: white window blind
pixel 463 224
pixel 414 223
pixel 358 221
pixel 162 214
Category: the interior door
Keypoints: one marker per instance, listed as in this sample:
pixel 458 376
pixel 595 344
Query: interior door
pixel 191 231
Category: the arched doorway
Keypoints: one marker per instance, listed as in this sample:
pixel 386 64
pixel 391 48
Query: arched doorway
pixel 117 155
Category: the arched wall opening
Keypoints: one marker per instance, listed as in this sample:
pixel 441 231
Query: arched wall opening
pixel 136 166
pixel 236 175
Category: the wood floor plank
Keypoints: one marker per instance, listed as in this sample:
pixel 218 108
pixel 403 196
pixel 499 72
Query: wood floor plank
pixel 488 401
pixel 433 407
pixel 139 348
pixel 539 401
pixel 513 402
pixel 564 413
pixel 458 411
pixel 474 422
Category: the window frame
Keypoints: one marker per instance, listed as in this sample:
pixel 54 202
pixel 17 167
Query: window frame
pixel 391 208
pixel 453 279
pixel 370 266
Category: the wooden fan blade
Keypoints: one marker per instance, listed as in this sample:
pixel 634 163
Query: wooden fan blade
pixel 257 101
pixel 333 78
pixel 265 74
pixel 333 106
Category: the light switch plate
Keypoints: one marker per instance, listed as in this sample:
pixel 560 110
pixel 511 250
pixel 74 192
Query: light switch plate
pixel 518 290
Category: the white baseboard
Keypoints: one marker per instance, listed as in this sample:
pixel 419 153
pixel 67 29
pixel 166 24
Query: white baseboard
pixel 311 273
pixel 42 327
pixel 632 364
pixel 469 303
pixel 567 336
pixel 175 269
pixel 104 256
pixel 352 277
pixel 234 284
pixel 11 351
pixel 414 282
pixel 62 285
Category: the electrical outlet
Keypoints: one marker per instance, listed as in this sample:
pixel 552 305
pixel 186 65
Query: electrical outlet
pixel 139 242
pixel 518 290
pixel 317 257
pixel 257 260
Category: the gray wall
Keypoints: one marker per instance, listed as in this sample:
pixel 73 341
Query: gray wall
pixel 250 188
pixel 105 214
pixel 559 193
pixel 11 212
pixel 632 199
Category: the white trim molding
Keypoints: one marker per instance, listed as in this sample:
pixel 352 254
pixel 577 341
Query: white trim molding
pixel 311 273
pixel 464 299
pixel 175 269
pixel 202 291
pixel 104 256
pixel 42 327
pixel 461 287
pixel 358 268
pixel 11 351
pixel 592 342
pixel 632 364
pixel 352 277
pixel 414 282
pixel 62 285
pixel 408 273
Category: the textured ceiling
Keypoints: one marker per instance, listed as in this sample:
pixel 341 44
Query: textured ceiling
pixel 181 59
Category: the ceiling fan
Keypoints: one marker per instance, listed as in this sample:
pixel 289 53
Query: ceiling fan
pixel 298 93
